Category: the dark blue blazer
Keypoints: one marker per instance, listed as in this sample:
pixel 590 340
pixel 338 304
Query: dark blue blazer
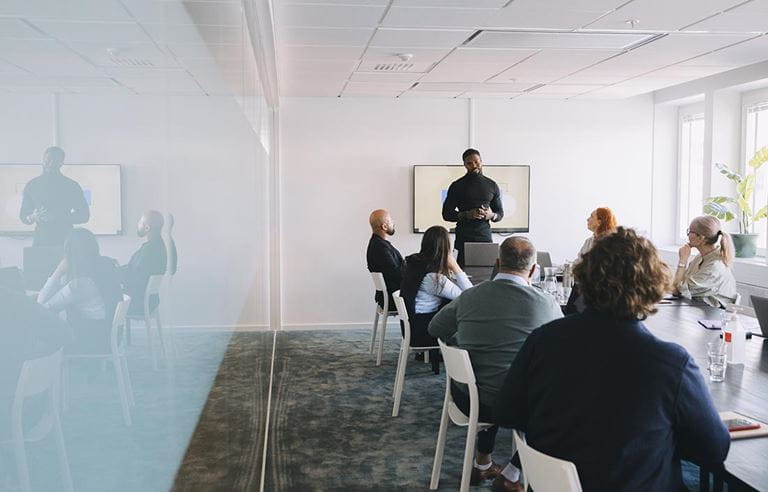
pixel 615 400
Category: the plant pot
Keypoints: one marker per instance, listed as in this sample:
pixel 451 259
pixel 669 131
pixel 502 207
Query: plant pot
pixel 745 245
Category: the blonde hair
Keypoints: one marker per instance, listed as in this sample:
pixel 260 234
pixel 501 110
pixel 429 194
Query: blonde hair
pixel 708 227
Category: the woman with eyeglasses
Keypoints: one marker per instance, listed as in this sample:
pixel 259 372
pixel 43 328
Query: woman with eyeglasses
pixel 708 275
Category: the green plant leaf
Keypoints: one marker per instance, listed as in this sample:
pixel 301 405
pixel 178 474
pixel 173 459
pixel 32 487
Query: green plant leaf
pixel 718 210
pixel 760 158
pixel 744 206
pixel 725 171
pixel 721 199
pixel 761 214
pixel 746 187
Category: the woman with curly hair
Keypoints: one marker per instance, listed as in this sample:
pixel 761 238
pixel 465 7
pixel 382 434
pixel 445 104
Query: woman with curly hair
pixel 598 389
pixel 708 275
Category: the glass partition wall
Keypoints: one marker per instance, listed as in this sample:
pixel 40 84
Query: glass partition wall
pixel 166 94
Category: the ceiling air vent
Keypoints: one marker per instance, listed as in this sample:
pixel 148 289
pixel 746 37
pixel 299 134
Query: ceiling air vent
pixel 393 67
pixel 119 58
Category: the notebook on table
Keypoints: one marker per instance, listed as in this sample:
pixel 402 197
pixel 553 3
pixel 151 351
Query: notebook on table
pixel 760 431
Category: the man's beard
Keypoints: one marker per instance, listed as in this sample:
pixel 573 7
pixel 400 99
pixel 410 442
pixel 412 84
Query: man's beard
pixel 391 230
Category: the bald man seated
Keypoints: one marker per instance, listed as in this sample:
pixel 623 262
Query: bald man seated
pixel 382 256
pixel 150 259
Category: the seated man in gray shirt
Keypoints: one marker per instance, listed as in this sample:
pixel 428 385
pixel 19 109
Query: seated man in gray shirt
pixel 492 321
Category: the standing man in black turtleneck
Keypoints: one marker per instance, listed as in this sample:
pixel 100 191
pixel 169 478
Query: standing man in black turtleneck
pixel 473 201
pixel 53 202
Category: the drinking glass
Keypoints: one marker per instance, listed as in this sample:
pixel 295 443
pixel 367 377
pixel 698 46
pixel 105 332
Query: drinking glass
pixel 717 361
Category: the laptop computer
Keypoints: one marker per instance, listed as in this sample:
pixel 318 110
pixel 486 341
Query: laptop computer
pixel 39 264
pixel 480 254
pixel 761 312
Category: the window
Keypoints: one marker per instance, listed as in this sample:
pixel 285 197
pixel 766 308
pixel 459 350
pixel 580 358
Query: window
pixel 756 133
pixel 691 165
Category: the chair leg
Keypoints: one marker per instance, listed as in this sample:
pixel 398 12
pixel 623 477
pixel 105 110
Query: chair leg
pixel 127 331
pixel 160 335
pixel 59 436
pixel 151 342
pixel 384 318
pixel 469 454
pixel 122 387
pixel 373 330
pixel 128 384
pixel 21 460
pixel 437 464
pixel 400 380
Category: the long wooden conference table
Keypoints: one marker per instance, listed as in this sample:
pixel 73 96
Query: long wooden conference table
pixel 745 389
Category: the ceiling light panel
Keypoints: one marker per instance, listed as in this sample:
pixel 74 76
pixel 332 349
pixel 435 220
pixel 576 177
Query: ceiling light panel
pixel 514 17
pixel 321 52
pixel 405 38
pixel 550 40
pixel 420 17
pixel 299 15
pixel 663 15
pixel 479 4
pixel 464 72
pixel 478 55
pixel 752 51
pixel 323 36
pixel 16 29
pixel 86 10
pixel 675 48
pixel 114 32
pixel 736 22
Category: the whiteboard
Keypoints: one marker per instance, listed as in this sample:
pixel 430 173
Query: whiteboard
pixel 101 187
pixel 430 186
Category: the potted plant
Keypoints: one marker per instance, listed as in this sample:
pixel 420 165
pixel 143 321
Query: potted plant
pixel 719 206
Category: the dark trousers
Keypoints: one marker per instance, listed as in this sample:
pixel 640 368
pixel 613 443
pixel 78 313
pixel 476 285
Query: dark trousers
pixel 421 338
pixel 485 438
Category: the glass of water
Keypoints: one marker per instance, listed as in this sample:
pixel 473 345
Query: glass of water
pixel 717 361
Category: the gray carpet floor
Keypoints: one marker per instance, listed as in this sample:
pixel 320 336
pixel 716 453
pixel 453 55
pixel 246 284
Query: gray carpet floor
pixel 330 423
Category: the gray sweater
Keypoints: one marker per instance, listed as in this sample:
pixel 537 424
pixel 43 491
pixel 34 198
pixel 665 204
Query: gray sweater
pixel 492 321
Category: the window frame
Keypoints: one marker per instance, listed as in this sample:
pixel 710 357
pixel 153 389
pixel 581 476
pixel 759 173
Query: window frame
pixel 751 98
pixel 684 114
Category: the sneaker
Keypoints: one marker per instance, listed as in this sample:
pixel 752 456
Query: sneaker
pixel 479 475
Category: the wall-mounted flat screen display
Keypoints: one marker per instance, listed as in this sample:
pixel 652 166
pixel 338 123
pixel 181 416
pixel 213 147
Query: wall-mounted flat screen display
pixel 101 187
pixel 430 187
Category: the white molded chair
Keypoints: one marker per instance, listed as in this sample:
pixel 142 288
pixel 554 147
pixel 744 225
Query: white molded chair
pixel 405 349
pixel 39 377
pixel 542 472
pixel 118 357
pixel 382 314
pixel 458 368
pixel 154 284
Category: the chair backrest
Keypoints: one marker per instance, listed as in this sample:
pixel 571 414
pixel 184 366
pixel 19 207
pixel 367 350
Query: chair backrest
pixel 402 311
pixel 118 323
pixel 457 363
pixel 543 472
pixel 38 376
pixel 153 288
pixel 378 281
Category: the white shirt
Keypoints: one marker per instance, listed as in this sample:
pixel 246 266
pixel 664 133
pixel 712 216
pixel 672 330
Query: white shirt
pixel 435 287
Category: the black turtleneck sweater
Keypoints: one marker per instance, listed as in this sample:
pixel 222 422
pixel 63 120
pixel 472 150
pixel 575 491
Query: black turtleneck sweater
pixel 468 192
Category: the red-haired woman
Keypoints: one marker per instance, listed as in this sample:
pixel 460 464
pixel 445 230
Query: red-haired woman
pixel 600 222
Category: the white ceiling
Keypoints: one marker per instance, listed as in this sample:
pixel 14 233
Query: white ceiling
pixel 510 48
pixel 194 47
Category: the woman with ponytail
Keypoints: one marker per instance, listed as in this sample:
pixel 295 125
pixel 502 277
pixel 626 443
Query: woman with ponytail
pixel 707 276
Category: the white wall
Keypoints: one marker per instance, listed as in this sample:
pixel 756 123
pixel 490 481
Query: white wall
pixel 342 158
pixel 198 157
